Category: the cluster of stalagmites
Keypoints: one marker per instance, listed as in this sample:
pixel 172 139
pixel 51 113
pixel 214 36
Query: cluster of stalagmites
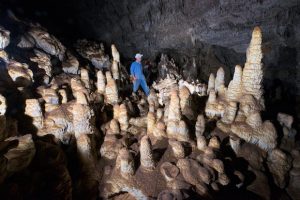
pixel 237 111
pixel 61 105
pixel 150 147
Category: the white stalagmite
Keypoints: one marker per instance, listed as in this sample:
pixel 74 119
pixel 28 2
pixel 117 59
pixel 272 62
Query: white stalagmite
pixel 115 70
pixel 115 53
pixel 147 161
pixel 100 82
pixel 253 70
pixel 230 113
pixel 111 89
pixel 220 79
pixel 234 90
pixel 211 83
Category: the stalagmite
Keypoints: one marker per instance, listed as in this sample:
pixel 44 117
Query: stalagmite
pixel 114 127
pixel 234 91
pixel 253 72
pixel 147 161
pixel 211 83
pixel 257 132
pixel 115 70
pixel 153 99
pixel 115 53
pixel 186 103
pixel 100 82
pixel 83 117
pixel 126 163
pixel 213 107
pixel 159 131
pixel 151 121
pixel 123 117
pixel 110 147
pixel 111 90
pixel 220 79
pixel 78 86
pixel 174 113
pixel 200 126
pixel 177 148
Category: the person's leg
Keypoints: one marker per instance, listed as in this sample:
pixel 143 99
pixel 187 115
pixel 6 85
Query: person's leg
pixel 145 86
pixel 136 85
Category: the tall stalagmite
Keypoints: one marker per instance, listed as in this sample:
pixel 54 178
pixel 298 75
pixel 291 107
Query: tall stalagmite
pixel 253 72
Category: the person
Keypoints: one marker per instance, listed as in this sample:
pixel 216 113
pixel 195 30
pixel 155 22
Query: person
pixel 136 73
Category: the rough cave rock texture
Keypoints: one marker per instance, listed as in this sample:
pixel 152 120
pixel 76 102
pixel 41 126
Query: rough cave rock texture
pixel 215 32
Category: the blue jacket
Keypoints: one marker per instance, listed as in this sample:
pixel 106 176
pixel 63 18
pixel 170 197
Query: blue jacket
pixel 136 69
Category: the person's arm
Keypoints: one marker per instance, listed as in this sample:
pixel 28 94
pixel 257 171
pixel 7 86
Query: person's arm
pixel 132 72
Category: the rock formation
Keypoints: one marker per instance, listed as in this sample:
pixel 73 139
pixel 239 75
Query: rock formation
pixel 79 132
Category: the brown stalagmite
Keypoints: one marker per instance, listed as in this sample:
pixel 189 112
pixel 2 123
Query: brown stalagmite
pixel 211 83
pixel 146 156
pixel 253 72
pixel 111 90
pixel 3 107
pixel 100 82
pixel 234 90
pixel 220 79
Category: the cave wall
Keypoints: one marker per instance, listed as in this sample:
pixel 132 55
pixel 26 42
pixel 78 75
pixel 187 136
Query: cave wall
pixel 215 33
